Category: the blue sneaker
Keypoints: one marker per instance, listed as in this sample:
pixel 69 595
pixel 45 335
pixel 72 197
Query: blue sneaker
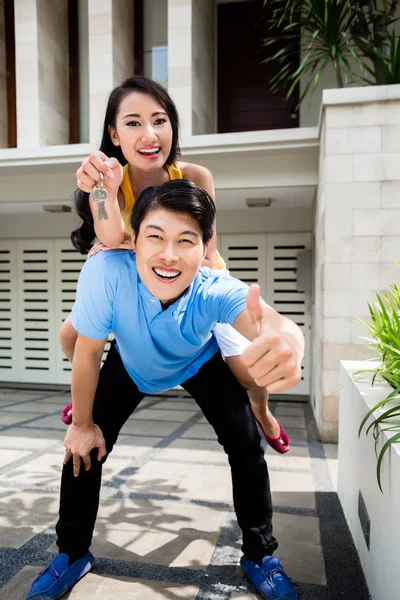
pixel 58 578
pixel 269 579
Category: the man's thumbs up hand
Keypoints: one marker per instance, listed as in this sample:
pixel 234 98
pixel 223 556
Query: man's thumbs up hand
pixel 254 307
pixel 274 357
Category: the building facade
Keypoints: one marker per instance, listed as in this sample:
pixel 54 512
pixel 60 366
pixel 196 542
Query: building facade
pixel 299 194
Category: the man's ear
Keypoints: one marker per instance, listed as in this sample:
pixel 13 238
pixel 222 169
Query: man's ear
pixel 205 250
pixel 113 135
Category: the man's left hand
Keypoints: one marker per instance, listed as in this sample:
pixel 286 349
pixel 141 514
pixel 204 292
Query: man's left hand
pixel 273 358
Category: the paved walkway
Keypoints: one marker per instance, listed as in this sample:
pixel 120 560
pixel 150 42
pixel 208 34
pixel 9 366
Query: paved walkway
pixel 166 529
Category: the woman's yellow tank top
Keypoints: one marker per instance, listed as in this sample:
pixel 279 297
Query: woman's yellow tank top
pixel 174 172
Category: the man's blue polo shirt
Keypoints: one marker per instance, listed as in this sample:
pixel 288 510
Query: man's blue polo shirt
pixel 159 348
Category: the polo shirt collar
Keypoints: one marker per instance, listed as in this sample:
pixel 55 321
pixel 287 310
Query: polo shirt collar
pixel 178 306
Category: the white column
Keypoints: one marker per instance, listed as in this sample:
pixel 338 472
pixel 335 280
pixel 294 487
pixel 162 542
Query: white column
pixel 180 60
pixel 204 67
pixel 27 74
pixel 110 56
pixel 52 19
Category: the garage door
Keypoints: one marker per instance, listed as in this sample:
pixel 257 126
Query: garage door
pixel 271 261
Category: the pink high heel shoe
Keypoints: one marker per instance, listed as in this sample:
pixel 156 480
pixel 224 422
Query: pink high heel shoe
pixel 67 418
pixel 281 443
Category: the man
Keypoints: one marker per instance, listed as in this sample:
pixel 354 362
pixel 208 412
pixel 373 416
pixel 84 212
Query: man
pixel 161 307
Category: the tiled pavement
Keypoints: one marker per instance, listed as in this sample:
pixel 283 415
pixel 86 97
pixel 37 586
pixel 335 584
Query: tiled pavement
pixel 166 529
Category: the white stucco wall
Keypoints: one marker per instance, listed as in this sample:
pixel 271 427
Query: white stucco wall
pixel 357 473
pixel 47 225
pixel 264 220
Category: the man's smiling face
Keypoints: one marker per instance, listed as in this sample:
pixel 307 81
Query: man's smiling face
pixel 169 251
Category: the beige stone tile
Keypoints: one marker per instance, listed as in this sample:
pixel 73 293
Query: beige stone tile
pixel 150 427
pixel 292 421
pixel 7 417
pixel 160 532
pixel 303 562
pixel 203 451
pixel 19 396
pixel 159 414
pixel 296 434
pixel 294 499
pixel 18 587
pixel 244 596
pixel 290 460
pixel 130 446
pixel 331 460
pixel 177 405
pixel 299 528
pixel 46 470
pixel 53 421
pixel 161 470
pixel 286 410
pixel 15 537
pixel 9 456
pixel 291 482
pixel 201 430
pixel 108 588
pixel 30 437
pixel 204 483
pixel 24 514
pixel 39 407
pixel 35 473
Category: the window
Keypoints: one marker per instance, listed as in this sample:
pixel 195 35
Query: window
pixel 151 39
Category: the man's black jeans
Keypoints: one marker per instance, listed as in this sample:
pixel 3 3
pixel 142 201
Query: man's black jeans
pixel 226 406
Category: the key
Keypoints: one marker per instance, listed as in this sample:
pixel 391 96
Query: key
pixel 99 195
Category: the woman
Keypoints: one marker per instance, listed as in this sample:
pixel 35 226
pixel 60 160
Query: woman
pixel 139 148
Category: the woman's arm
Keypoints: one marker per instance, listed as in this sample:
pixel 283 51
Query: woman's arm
pixel 110 231
pixel 204 179
pixel 68 336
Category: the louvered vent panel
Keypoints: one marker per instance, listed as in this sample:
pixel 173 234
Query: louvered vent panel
pixel 283 293
pixel 245 257
pixel 68 262
pixel 8 312
pixel 36 337
pixel 68 266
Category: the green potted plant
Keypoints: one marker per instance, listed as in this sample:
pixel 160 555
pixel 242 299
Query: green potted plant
pixel 331 32
pixel 384 328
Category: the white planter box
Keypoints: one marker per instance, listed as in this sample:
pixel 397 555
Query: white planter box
pixel 357 473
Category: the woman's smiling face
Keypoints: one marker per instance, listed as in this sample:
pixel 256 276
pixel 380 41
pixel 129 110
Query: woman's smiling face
pixel 143 131
pixel 169 251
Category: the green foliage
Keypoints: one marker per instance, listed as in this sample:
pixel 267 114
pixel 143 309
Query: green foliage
pixel 385 330
pixel 331 32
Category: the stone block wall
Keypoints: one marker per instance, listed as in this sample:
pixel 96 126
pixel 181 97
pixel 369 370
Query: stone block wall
pixel 357 238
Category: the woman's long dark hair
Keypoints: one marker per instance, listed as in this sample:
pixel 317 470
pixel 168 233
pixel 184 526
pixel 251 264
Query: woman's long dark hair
pixel 82 238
